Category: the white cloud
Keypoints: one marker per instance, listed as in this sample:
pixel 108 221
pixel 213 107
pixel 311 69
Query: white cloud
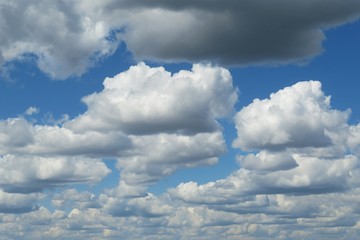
pixel 354 139
pixel 62 38
pixel 31 111
pixel 152 121
pixel 144 100
pixel 295 117
pixel 75 199
pixel 267 161
pixel 24 174
pixel 148 206
pixel 303 149
pixel 156 156
pixel 289 188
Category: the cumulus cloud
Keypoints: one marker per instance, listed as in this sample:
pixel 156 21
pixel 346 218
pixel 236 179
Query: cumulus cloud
pixel 304 148
pixel 17 203
pixel 65 38
pixel 21 137
pixel 61 38
pixel 25 174
pixel 74 199
pixel 307 188
pixel 267 161
pixel 145 100
pixel 300 179
pixel 153 122
pixel 161 155
pixel 295 117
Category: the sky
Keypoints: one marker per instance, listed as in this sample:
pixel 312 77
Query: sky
pixel 165 119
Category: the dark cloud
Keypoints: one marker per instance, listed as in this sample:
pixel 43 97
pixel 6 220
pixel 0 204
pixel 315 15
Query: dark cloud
pixel 227 32
pixel 234 32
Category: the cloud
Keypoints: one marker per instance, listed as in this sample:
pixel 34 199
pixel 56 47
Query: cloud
pixel 157 156
pixel 302 149
pixel 306 120
pixel 153 122
pixel 145 100
pixel 21 137
pixel 62 39
pixel 232 32
pixel 299 180
pixel 290 191
pixel 74 199
pixel 17 203
pixel 26 174
pixel 267 161
pixel 32 110
pixel 148 206
pixel 171 120
pixel 66 38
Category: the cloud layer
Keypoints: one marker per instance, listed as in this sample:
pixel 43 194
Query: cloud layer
pixel 299 178
pixel 151 121
pixel 66 38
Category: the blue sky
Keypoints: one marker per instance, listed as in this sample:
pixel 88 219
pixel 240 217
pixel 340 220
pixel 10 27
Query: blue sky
pixel 179 120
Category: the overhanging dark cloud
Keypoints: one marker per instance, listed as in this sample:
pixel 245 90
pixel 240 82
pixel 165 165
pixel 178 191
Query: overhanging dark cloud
pixel 233 32
pixel 228 32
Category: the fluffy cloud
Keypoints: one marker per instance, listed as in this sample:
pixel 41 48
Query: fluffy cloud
pixel 171 120
pixel 161 155
pixel 311 176
pixel 24 174
pixel 152 121
pixel 146 100
pixel 267 161
pixel 298 135
pixel 17 203
pixel 300 180
pixel 20 137
pixel 60 37
pixel 305 173
pixel 226 32
pixel 295 117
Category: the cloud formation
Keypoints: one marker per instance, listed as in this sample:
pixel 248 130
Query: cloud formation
pixel 65 38
pixel 295 117
pixel 60 37
pixel 298 180
pixel 153 122
pixel 297 135
pixel 234 32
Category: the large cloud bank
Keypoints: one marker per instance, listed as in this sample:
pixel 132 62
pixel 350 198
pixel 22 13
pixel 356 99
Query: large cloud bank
pixel 65 38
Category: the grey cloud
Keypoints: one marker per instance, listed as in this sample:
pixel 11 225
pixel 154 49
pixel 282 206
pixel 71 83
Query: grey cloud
pixel 267 161
pixel 227 32
pixel 75 199
pixel 17 203
pixel 157 156
pixel 26 174
pixel 234 32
